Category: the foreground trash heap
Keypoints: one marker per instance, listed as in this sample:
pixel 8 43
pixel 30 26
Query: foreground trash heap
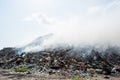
pixel 61 62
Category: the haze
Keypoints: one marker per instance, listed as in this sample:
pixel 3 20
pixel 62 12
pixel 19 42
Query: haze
pixel 71 21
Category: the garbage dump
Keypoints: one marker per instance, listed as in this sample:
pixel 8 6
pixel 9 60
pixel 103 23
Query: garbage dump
pixel 62 62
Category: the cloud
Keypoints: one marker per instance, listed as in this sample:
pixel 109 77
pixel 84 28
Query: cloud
pixel 103 8
pixel 40 18
pixel 93 9
pixel 115 3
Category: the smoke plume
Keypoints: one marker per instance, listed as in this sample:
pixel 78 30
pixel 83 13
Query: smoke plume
pixel 98 26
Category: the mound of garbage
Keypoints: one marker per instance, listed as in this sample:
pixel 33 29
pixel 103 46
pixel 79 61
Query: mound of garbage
pixel 63 61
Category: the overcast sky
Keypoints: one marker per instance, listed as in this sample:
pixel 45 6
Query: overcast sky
pixel 21 21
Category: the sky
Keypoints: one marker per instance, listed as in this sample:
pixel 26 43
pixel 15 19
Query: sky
pixel 75 21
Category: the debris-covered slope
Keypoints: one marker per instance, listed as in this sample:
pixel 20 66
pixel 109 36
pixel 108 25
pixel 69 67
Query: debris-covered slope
pixel 51 61
pixel 62 59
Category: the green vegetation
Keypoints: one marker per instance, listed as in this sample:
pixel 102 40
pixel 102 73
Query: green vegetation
pixel 23 69
pixel 79 79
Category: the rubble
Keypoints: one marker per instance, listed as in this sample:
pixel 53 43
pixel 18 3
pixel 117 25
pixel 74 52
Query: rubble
pixel 59 61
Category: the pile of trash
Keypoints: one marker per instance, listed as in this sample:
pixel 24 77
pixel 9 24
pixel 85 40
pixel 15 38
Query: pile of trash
pixel 62 62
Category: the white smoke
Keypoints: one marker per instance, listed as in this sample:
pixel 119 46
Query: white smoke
pixel 99 25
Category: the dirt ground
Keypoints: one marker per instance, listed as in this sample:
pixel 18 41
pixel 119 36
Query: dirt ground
pixel 7 75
